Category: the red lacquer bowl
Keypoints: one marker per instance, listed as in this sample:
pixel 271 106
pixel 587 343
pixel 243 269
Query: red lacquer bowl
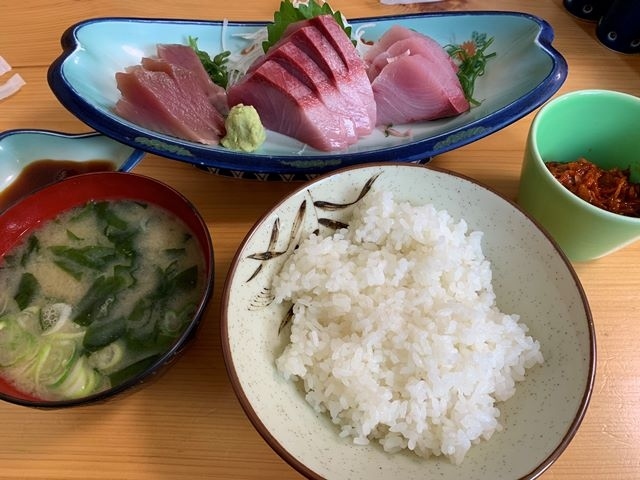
pixel 28 214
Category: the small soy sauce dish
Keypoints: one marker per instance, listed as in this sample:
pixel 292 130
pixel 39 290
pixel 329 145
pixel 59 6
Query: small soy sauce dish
pixel 33 158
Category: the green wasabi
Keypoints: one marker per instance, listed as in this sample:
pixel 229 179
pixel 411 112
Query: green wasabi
pixel 244 129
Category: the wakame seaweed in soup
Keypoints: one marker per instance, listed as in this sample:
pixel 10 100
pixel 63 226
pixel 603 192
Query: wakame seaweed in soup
pixel 94 296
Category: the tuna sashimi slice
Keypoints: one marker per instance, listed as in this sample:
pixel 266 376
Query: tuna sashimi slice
pixel 324 41
pixel 286 105
pixel 190 85
pixel 311 41
pixel 409 90
pixel 348 106
pixel 157 101
pixel 185 57
pixel 328 26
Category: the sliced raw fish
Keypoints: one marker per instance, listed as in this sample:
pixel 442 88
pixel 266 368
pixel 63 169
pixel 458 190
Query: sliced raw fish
pixel 168 103
pixel 288 106
pixel 186 57
pixel 313 67
pixel 340 41
pixel 417 44
pixel 394 34
pixel 190 83
pixel 327 44
pixel 413 78
pixel 351 111
pixel 409 89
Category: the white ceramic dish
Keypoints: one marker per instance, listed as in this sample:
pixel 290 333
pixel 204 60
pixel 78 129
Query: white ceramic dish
pixel 530 276
pixel 526 72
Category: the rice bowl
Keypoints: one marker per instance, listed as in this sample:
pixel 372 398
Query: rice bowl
pixel 531 278
pixel 395 331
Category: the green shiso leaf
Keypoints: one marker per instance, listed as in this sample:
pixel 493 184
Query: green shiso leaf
pixel 288 14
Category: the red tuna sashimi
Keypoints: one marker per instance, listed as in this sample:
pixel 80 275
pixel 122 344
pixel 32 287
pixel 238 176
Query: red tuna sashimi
pixel 348 108
pixel 324 41
pixel 155 100
pixel 185 57
pixel 409 90
pixel 327 25
pixel 189 84
pixel 288 106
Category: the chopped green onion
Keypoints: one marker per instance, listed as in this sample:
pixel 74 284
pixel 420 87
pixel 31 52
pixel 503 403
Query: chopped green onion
pixel 56 359
pixel 15 342
pixel 107 357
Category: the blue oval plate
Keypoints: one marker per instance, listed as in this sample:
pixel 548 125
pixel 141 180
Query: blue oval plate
pixel 525 73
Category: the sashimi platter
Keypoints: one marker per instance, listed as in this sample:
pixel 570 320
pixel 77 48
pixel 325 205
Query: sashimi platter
pixel 309 92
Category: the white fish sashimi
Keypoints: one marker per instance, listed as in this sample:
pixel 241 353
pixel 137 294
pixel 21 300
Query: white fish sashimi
pixel 413 79
pixel 407 90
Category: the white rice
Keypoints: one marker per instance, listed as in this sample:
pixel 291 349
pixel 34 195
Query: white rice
pixel 396 333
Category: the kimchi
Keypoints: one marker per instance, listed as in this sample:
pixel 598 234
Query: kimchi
pixel 610 190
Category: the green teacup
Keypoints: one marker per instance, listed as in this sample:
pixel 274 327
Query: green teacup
pixel 603 127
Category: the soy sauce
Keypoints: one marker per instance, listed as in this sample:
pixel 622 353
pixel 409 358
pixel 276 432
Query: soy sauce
pixel 45 172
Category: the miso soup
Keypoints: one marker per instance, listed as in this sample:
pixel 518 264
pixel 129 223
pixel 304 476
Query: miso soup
pixel 94 296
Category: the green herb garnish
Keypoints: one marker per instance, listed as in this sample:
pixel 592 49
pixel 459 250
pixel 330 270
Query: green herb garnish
pixel 216 67
pixel 289 14
pixel 27 289
pixel 472 60
pixel 33 246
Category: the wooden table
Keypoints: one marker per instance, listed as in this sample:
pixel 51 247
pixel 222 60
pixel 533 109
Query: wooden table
pixel 188 424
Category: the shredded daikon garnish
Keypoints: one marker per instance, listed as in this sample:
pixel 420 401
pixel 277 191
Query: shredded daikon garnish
pixel 239 61
pixel 362 46
pixel 223 33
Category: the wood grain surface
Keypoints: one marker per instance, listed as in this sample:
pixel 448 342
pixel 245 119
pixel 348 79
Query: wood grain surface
pixel 188 423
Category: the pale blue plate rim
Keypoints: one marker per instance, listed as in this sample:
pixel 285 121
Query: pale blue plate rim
pixel 124 166
pixel 295 166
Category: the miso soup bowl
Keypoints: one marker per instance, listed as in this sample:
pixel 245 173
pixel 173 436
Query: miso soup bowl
pixel 22 218
pixel 601 126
